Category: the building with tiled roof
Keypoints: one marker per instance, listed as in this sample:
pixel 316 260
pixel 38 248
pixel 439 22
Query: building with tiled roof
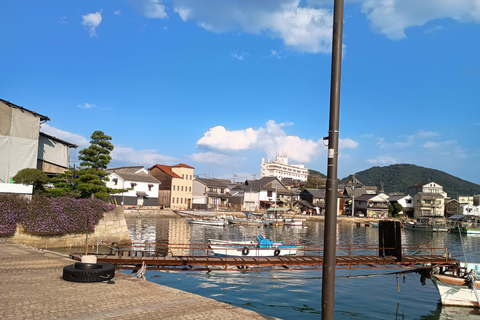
pixel 141 189
pixel 176 186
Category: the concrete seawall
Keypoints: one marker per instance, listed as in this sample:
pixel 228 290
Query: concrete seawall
pixel 112 228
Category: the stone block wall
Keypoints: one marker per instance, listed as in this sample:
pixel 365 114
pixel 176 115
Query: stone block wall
pixel 112 228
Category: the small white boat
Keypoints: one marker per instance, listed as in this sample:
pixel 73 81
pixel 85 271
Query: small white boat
pixel 262 248
pixel 292 222
pixel 209 222
pixel 246 221
pixel 459 288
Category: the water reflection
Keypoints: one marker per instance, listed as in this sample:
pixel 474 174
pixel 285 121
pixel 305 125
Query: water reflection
pixel 293 294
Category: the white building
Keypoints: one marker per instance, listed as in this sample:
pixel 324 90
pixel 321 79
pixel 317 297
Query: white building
pixel 281 169
pixel 141 189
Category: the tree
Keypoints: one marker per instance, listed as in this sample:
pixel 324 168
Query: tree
pixel 394 209
pixel 30 176
pixel 88 181
pixel 315 182
pixel 97 156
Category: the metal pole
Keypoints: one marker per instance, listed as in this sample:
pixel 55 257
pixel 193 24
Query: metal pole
pixel 330 245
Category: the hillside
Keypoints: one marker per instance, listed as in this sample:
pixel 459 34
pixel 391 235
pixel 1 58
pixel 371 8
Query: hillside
pixel 398 177
pixel 316 173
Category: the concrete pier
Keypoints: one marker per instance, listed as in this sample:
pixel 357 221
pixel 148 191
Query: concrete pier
pixel 31 287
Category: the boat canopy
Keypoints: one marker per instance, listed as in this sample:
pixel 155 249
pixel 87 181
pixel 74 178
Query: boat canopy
pixel 456 217
pixel 264 242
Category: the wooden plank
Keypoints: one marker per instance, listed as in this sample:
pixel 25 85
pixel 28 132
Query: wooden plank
pixel 290 261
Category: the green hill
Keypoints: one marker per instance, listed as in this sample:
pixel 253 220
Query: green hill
pixel 398 177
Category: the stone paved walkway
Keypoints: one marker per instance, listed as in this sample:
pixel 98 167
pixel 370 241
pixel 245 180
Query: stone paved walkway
pixel 31 287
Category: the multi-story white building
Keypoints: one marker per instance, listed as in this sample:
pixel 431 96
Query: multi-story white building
pixel 281 169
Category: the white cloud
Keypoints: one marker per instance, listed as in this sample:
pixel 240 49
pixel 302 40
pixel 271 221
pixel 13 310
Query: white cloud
pixel 131 156
pixel 409 140
pixel 211 157
pixel 393 17
pixel 74 138
pixel 219 138
pixel 382 160
pixel 238 56
pixel 347 143
pixel 86 105
pixel 117 12
pixel 153 9
pixel 303 29
pixel 271 140
pixel 91 21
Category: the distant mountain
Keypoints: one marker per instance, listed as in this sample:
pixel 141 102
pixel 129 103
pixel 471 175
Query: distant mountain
pixel 398 177
pixel 316 173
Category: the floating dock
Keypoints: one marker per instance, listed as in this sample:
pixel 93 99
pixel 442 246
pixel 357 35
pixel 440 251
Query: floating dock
pixel 309 257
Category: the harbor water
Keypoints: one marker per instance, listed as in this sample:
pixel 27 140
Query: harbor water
pixel 289 294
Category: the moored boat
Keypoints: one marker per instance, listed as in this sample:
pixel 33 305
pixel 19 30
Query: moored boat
pixel 209 222
pixel 458 287
pixel 262 248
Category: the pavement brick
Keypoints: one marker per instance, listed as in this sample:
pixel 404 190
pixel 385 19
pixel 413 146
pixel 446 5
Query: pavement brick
pixel 31 287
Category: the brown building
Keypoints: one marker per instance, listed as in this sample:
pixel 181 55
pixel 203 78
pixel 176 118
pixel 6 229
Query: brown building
pixel 175 190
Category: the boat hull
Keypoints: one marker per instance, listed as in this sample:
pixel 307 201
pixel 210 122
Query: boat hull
pixel 455 291
pixel 250 251
pixel 216 223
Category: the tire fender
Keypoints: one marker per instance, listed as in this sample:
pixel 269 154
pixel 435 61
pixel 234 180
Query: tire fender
pixel 245 251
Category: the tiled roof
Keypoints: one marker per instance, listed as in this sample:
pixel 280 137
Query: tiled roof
pixel 213 182
pixel 138 177
pixel 183 165
pixel 131 169
pixel 166 169
pixel 68 144
pixel 8 103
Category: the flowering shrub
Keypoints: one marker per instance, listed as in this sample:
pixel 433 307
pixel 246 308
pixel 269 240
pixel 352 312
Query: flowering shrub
pixel 12 207
pixel 56 215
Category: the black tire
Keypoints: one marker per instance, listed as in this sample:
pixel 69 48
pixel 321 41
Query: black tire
pixel 276 253
pixel 86 266
pixel 245 251
pixel 97 273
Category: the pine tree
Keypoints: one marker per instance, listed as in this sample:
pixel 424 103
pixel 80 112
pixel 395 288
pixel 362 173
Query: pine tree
pixel 97 156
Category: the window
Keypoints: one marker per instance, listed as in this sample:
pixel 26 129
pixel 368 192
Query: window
pixel 182 188
pixel 115 181
pixel 189 189
pixel 132 185
pixel 150 186
pixel 183 176
pixel 181 200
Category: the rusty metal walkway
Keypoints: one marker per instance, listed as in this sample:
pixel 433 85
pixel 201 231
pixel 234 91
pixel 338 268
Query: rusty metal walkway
pixel 160 257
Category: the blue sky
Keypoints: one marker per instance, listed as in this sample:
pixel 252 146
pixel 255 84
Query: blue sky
pixel 219 84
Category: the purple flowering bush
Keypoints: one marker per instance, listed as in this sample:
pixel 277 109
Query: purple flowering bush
pixel 12 207
pixel 47 215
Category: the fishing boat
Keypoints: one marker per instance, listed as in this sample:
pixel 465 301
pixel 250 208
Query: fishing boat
pixel 249 220
pixel 262 248
pixel 464 224
pixel 194 214
pixel 429 224
pixel 458 286
pixel 209 222
pixel 293 222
